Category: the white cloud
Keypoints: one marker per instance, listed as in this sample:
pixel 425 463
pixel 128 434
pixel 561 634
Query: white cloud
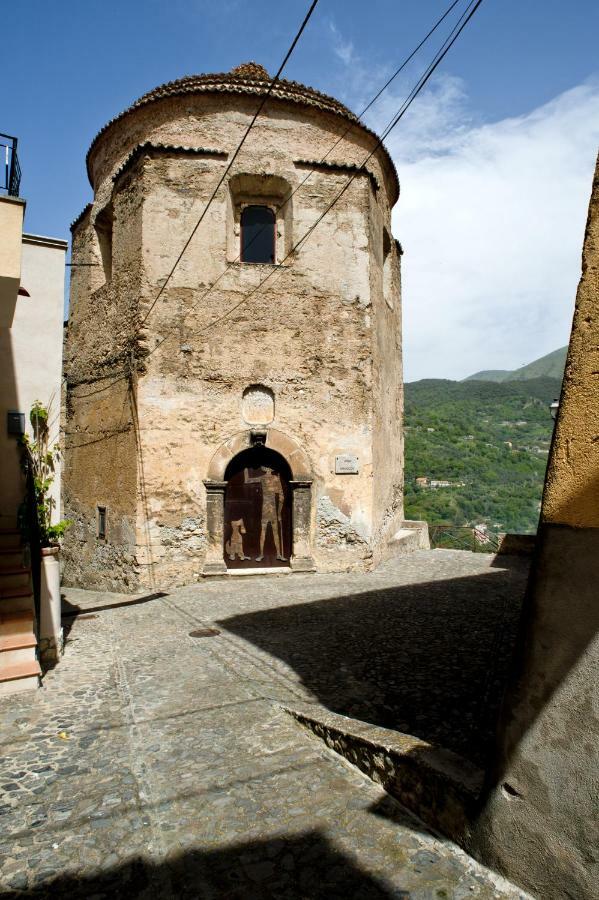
pixel 491 217
pixel 343 50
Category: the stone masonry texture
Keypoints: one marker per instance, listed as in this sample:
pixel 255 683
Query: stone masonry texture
pixel 155 764
pixel 151 404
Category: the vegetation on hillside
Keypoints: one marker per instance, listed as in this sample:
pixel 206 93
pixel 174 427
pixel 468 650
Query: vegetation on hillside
pixel 489 439
pixel 549 366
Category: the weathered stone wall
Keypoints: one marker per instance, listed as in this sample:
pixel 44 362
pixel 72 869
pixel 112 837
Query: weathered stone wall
pixel 100 470
pixel 322 334
pixel 101 460
pixel 539 824
pixel 388 447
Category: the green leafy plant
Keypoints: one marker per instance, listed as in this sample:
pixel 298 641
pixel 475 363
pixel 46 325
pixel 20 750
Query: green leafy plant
pixel 38 460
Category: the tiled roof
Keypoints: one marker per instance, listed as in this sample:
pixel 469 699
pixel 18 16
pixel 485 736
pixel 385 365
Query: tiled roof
pixel 248 78
pixel 166 149
pixel 325 166
pixel 81 216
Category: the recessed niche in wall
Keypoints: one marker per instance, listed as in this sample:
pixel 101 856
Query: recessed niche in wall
pixel 258 405
pixel 387 269
pixel 101 522
pixel 103 226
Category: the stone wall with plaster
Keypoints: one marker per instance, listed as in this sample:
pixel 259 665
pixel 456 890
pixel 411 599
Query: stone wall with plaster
pixel 539 823
pixel 320 338
pixel 31 364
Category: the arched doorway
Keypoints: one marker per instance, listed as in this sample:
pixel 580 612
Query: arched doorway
pixel 257 510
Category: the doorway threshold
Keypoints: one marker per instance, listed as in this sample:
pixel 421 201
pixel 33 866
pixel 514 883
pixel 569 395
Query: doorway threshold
pixel 278 570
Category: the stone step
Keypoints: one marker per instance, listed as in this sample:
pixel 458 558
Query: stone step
pixel 11 556
pixel 17 622
pixel 17 655
pixel 10 538
pixel 16 600
pixel 19 677
pixel 412 535
pixel 16 640
pixel 13 577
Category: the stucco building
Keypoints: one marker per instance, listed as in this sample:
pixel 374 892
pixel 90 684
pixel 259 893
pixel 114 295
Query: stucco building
pixel 32 271
pixel 247 411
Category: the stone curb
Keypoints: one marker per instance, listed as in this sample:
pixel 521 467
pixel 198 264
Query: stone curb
pixel 437 785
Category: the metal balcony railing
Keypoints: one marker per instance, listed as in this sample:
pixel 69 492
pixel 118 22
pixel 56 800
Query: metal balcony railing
pixel 10 170
pixel 462 537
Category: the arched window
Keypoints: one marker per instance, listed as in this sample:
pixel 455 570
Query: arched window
pixel 257 235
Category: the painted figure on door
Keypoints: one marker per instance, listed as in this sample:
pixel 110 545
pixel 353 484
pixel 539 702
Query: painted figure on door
pixel 272 506
pixel 234 545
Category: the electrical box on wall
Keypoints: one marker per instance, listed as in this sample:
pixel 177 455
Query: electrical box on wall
pixel 15 423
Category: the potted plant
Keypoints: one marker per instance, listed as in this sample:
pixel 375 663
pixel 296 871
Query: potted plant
pixel 38 461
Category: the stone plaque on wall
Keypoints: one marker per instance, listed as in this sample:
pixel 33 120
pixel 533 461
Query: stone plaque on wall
pixel 346 464
pixel 258 405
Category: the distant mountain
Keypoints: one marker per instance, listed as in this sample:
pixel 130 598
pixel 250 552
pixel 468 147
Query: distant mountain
pixel 476 451
pixel 550 366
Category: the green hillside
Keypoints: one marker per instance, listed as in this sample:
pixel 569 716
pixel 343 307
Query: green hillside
pixel 461 432
pixel 550 366
pixel 489 375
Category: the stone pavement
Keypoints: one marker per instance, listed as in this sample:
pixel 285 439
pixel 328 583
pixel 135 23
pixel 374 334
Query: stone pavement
pixel 154 764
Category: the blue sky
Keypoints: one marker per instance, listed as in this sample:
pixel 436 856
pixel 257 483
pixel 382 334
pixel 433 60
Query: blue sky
pixel 495 159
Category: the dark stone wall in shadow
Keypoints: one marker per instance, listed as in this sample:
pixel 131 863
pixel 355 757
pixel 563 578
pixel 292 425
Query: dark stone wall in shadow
pixel 539 822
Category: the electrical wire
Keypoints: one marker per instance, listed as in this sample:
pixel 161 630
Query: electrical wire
pixel 437 59
pixel 452 37
pixel 235 155
pixel 441 53
pixel 288 199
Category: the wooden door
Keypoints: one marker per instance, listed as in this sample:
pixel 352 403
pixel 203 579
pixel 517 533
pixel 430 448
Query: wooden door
pixel 257 532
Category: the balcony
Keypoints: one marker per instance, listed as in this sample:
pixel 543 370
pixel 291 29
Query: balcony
pixel 12 208
pixel 10 176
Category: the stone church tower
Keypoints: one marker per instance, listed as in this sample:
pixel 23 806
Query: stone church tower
pixel 240 422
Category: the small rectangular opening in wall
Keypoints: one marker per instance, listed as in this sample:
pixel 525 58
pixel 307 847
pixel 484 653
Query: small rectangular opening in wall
pixel 103 225
pixel 101 521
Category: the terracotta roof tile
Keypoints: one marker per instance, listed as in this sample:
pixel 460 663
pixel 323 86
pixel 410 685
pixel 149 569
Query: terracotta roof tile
pixel 81 216
pixel 148 147
pixel 249 78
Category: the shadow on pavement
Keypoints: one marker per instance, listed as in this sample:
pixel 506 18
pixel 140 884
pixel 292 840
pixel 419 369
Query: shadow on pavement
pixel 429 659
pixel 70 611
pixel 296 868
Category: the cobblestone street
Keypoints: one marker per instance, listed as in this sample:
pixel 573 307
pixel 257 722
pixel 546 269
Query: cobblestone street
pixel 155 764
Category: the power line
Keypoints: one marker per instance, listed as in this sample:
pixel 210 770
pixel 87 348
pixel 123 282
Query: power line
pixel 327 154
pixel 299 33
pixel 337 142
pixel 437 59
pixel 439 56
pixel 235 155
pixel 441 52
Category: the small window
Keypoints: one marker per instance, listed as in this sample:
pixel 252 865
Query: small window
pixel 101 521
pixel 257 235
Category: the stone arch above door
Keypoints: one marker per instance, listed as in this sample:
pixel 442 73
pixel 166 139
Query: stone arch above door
pixel 301 485
pixel 287 446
